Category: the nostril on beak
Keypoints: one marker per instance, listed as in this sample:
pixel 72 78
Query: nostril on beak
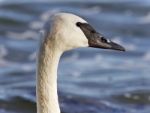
pixel 103 40
pixel 93 31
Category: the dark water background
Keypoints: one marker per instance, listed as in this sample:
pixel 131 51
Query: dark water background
pixel 90 80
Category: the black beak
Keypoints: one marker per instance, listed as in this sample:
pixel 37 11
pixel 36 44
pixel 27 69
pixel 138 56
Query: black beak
pixel 99 41
pixel 96 40
pixel 115 46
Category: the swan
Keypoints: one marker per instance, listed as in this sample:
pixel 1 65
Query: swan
pixel 63 32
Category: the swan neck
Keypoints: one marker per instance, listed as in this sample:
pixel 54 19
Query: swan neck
pixel 47 96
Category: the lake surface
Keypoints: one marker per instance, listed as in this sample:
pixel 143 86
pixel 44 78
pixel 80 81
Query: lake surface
pixel 90 80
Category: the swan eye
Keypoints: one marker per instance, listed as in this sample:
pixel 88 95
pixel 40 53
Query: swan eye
pixel 78 24
pixel 103 40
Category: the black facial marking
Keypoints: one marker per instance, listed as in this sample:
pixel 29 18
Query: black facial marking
pixel 95 39
pixel 86 28
pixel 91 34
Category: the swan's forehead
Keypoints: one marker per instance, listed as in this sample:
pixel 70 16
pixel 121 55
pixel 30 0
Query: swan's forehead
pixel 67 17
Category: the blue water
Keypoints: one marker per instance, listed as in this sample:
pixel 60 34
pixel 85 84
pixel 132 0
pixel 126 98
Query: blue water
pixel 90 80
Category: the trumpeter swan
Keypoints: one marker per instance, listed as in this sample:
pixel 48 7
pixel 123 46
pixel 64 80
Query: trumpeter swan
pixel 66 31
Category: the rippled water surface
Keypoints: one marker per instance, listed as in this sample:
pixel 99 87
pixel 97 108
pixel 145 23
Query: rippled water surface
pixel 90 80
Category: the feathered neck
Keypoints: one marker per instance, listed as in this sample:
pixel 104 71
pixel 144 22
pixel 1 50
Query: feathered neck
pixel 46 90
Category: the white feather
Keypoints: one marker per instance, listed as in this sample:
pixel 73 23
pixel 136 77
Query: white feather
pixel 62 36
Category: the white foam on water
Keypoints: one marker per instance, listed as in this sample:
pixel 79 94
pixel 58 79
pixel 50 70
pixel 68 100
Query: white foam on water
pixel 43 18
pixel 3 63
pixel 29 97
pixel 32 56
pixel 46 15
pixel 36 25
pixel 98 58
pixel 146 57
pixel 72 58
pixel 28 34
pixel 128 46
pixel 91 11
pixel 127 95
pixel 117 39
pixel 76 74
pixel 136 97
pixel 145 19
pixel 113 105
pixel 3 51
pixel 28 67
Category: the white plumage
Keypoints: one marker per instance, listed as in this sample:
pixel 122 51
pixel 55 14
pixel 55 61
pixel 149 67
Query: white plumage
pixel 64 32
pixel 63 35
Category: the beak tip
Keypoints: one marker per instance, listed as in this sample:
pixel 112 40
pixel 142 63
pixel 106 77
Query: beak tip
pixel 118 47
pixel 122 49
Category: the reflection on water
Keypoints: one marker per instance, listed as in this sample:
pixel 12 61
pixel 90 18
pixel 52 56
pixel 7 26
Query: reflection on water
pixel 90 80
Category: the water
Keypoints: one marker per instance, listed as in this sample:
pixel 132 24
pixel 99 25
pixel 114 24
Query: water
pixel 90 80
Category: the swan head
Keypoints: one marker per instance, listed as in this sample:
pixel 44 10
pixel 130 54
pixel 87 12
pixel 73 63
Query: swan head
pixel 70 31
